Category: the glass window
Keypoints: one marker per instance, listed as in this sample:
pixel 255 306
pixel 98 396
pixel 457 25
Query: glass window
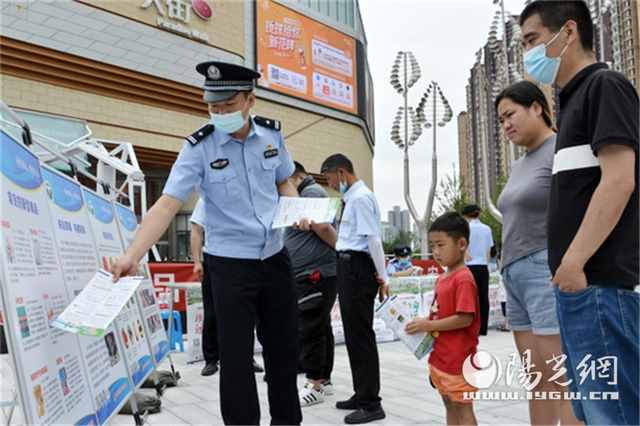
pixel 342 11
pixel 315 5
pixel 333 9
pixel 350 6
pixel 324 7
pixel 183 236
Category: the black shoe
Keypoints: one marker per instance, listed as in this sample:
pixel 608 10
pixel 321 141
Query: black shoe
pixel 257 368
pixel 209 369
pixel 365 416
pixel 348 404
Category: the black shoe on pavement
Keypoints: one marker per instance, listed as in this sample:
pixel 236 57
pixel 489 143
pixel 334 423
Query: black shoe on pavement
pixel 365 416
pixel 257 368
pixel 348 404
pixel 209 369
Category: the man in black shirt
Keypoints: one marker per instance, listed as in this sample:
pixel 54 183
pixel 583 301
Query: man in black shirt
pixel 592 227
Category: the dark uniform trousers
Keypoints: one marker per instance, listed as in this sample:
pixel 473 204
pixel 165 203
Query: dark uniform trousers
pixel 263 293
pixel 481 276
pixel 317 344
pixel 357 289
pixel 210 348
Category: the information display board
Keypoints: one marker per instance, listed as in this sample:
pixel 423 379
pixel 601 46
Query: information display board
pixel 128 324
pixel 127 224
pixel 49 366
pixel 304 58
pixel 102 356
pixel 195 323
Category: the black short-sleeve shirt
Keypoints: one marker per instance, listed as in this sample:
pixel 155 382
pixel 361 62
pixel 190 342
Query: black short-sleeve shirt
pixel 598 107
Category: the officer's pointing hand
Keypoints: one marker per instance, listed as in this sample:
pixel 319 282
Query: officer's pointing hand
pixel 125 266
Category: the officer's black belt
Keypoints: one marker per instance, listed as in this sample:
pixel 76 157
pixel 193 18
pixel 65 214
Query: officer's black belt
pixel 350 254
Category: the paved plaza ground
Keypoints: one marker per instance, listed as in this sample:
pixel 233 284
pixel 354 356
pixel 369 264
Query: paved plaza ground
pixel 406 394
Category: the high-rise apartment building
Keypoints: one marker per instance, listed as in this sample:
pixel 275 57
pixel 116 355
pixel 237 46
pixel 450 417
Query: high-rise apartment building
pixel 625 47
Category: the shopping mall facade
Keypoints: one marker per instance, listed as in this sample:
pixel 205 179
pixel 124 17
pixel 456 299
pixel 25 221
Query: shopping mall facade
pixel 126 69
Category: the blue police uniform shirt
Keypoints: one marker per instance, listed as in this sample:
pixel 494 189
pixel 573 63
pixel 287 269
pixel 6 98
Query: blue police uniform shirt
pixel 395 266
pixel 199 217
pixel 480 241
pixel 237 182
pixel 361 217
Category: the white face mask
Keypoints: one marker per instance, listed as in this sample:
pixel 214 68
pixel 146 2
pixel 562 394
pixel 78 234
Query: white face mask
pixel 229 123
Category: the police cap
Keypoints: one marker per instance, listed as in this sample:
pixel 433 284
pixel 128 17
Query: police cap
pixel 401 250
pixel 470 209
pixel 224 80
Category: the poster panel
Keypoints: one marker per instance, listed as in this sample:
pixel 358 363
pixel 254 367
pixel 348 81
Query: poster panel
pixel 79 262
pixel 304 58
pixel 195 323
pixel 49 365
pixel 104 230
pixel 149 308
pixel 151 314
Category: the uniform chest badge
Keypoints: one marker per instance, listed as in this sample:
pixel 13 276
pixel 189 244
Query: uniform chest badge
pixel 270 152
pixel 220 163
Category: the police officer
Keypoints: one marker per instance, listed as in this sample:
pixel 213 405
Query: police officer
pixel 361 275
pixel 210 348
pixel 240 166
pixel 400 265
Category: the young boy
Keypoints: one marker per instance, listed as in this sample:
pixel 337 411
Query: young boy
pixel 454 314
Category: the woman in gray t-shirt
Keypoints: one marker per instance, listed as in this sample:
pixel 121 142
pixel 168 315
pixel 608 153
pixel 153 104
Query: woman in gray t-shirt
pixel 525 118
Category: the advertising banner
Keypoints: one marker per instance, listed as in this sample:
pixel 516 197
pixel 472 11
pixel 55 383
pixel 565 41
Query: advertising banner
pixel 304 58
pixel 49 366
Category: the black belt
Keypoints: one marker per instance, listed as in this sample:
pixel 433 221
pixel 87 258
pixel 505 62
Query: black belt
pixel 349 254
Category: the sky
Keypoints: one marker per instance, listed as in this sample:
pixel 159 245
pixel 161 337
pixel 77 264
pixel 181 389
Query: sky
pixel 444 37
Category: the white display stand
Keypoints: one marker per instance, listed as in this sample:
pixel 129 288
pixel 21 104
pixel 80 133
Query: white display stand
pixel 55 234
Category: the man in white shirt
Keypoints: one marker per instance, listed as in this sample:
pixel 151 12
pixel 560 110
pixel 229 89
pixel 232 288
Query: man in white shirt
pixel 478 255
pixel 361 276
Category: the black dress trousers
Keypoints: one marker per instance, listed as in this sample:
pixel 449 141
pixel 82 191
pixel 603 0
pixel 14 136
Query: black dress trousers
pixel 481 276
pixel 357 289
pixel 262 293
pixel 210 347
pixel 317 344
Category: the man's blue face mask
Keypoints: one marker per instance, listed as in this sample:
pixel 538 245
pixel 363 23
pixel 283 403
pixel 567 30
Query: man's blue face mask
pixel 229 123
pixel 539 66
pixel 404 260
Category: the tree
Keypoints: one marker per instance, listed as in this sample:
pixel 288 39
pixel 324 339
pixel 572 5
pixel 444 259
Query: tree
pixel 402 237
pixel 452 195
pixel 488 219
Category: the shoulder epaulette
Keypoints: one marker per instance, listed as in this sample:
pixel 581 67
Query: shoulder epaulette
pixel 267 122
pixel 200 134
